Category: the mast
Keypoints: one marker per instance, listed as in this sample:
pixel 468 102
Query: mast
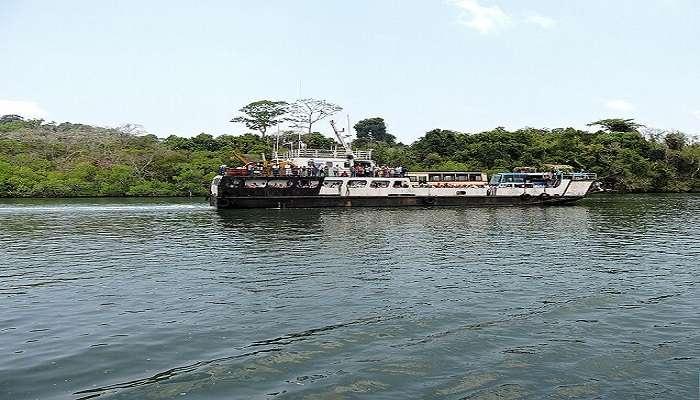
pixel 348 149
pixel 277 145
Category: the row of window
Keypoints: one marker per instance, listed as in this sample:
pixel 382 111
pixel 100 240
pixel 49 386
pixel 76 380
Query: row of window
pixel 361 183
pixel 446 178
pixel 276 184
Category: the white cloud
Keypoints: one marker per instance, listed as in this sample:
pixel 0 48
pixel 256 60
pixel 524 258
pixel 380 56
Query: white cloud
pixel 619 105
pixel 696 114
pixel 540 20
pixel 484 19
pixel 20 107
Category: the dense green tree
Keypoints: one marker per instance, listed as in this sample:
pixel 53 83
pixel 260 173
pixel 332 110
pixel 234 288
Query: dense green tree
pixel 438 141
pixel 372 130
pixel 676 140
pixel 6 119
pixel 317 140
pixel 617 124
pixel 262 114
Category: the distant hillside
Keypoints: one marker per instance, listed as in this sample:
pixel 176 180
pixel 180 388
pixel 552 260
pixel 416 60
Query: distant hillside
pixel 52 160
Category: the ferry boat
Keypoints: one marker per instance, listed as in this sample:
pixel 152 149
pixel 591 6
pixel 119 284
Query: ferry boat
pixel 305 178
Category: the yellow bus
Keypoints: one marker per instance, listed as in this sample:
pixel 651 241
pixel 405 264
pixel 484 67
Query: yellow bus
pixel 447 179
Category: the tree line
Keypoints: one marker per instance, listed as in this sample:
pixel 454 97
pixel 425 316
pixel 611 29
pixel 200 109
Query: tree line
pixel 46 159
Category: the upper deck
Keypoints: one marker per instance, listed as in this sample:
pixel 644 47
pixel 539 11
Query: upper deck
pixel 360 155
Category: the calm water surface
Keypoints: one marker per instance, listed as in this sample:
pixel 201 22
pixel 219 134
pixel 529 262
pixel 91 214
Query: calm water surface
pixel 138 299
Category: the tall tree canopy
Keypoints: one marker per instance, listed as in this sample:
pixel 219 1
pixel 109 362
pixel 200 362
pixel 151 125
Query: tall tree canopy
pixel 263 114
pixel 306 112
pixel 10 118
pixel 316 140
pixel 617 124
pixel 372 130
pixel 676 140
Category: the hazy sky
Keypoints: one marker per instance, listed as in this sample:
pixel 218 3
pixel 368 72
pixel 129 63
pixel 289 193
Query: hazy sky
pixel 185 67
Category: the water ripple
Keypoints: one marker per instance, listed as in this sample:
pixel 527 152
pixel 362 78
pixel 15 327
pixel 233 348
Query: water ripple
pixel 129 299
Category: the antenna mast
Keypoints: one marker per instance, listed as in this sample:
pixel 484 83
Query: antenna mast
pixel 348 149
pixel 277 145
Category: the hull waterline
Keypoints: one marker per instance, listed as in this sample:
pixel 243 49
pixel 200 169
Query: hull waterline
pixel 390 201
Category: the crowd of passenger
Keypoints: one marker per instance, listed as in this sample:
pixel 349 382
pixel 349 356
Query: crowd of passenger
pixel 314 170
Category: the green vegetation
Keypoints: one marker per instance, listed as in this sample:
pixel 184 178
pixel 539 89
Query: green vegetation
pixel 372 130
pixel 39 159
pixel 262 114
pixel 625 161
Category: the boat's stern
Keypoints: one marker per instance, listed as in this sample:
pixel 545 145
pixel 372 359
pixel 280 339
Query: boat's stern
pixel 256 191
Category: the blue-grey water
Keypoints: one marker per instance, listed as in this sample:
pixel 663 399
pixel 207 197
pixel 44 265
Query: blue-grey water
pixel 164 299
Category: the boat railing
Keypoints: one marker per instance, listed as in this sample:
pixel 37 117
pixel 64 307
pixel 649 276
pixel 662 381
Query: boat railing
pixel 364 155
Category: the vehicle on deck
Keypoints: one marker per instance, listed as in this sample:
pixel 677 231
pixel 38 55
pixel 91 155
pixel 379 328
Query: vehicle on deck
pixel 447 179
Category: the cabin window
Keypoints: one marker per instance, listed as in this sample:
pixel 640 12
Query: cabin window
pixel 254 184
pixel 475 177
pixel 435 177
pixel 448 178
pixel 281 183
pixel 513 179
pixel 400 184
pixel 357 183
pixel 413 178
pixel 332 184
pixel 461 177
pixel 461 193
pixel 379 184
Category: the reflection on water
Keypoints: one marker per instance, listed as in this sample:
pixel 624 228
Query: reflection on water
pixel 165 298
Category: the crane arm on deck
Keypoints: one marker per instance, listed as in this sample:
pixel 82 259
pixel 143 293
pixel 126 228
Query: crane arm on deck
pixel 240 157
pixel 348 149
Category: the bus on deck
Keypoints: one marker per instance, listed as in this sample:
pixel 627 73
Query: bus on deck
pixel 447 179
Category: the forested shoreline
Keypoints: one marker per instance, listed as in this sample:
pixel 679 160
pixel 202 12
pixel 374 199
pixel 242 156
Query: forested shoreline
pixel 47 159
